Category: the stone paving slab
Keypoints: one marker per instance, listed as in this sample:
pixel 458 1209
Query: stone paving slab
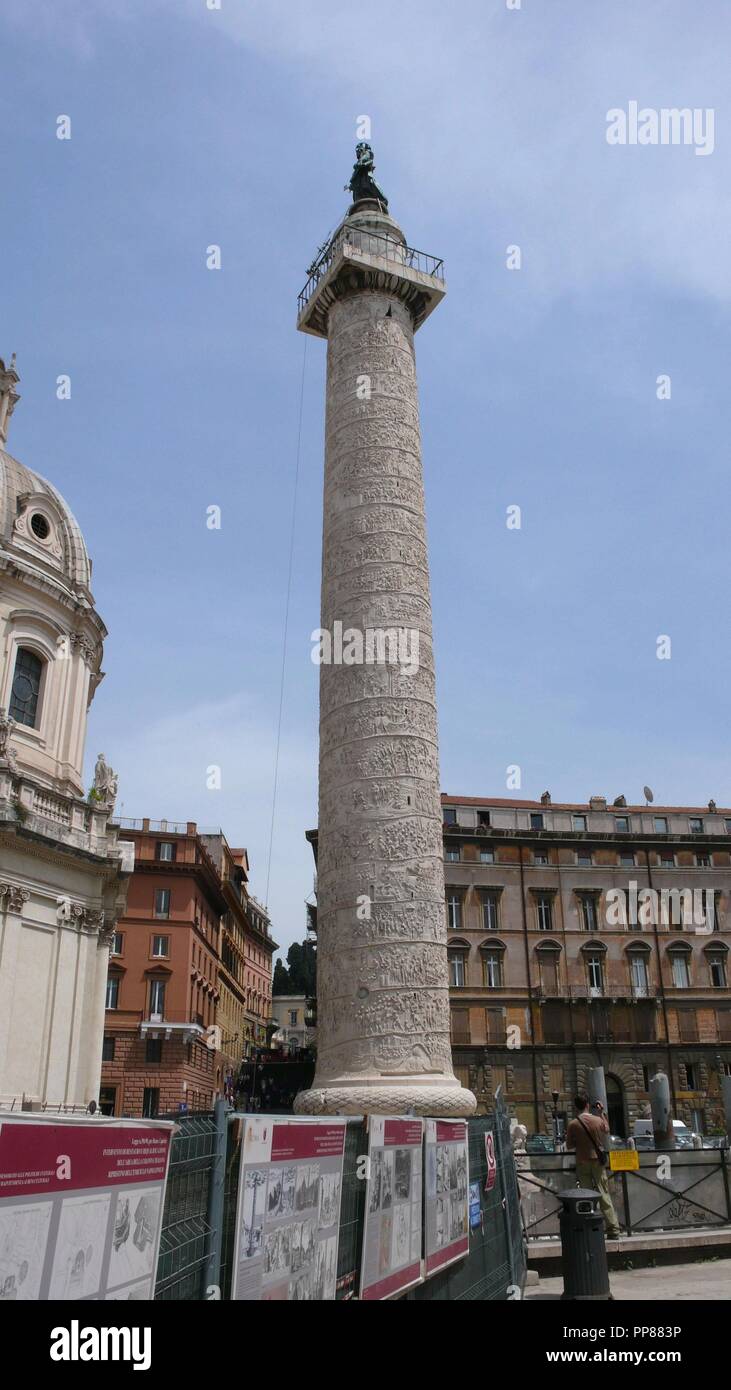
pixel 643 1240
pixel 709 1280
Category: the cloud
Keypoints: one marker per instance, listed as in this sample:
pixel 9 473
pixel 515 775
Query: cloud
pixel 488 123
pixel 496 119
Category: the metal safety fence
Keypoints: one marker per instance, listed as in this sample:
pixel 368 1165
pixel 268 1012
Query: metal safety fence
pixel 186 1232
pixel 495 1267
pixel 197 1245
pixel 672 1190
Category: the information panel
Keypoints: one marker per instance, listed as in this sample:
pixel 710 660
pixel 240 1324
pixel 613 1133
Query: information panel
pixel 81 1207
pixel 447 1236
pixel 288 1213
pixel 391 1260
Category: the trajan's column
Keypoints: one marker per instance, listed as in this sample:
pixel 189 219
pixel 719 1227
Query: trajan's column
pixel 383 1001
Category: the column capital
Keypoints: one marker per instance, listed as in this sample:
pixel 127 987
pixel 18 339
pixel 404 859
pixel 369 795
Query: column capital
pixel 15 895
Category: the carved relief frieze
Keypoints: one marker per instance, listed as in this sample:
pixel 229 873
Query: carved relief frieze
pixel 383 999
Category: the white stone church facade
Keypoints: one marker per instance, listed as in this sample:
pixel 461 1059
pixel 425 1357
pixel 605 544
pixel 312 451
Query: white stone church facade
pixel 63 873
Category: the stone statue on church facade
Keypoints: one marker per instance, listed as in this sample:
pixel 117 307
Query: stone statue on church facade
pixel 104 790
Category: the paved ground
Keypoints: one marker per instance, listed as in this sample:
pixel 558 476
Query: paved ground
pixel 707 1280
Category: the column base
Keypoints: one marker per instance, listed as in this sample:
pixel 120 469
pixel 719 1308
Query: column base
pixel 437 1101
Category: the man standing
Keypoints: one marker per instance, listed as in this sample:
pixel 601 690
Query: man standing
pixel 585 1134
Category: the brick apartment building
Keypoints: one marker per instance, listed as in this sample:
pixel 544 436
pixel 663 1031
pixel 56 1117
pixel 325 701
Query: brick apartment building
pixel 189 974
pixel 244 1012
pixel 548 977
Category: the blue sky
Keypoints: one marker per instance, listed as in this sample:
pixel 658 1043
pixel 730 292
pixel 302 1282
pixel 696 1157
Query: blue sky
pixel 538 387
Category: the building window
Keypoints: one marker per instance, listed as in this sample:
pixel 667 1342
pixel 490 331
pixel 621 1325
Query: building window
pixel 492 969
pixel 621 824
pixel 108 1048
pixel 661 825
pixel 454 910
pixel 490 911
pixel 639 976
pixel 696 825
pixel 544 912
pixel 647 1072
pixel 117 943
pixel 688 1025
pixel 578 823
pixel 536 820
pixel 584 858
pixel 595 973
pixel 160 946
pixel 727 823
pixel 153 1049
pixel 456 969
pixel 162 902
pixel 450 816
pixel 460 1019
pixel 112 1000
pixel 26 687
pixel 703 861
pixel 540 856
pixel 589 920
pixel 166 851
pixel 487 856
pixel 627 859
pixel 157 998
pixel 483 818
pixel 107 1099
pixel 681 973
pixel 495 1025
pixel 150 1102
pixel 691 1080
pixel 549 971
pixel 293 1017
pixel 452 856
pixel 717 966
pixel 667 860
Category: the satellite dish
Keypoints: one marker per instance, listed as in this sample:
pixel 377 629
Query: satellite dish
pixel 649 798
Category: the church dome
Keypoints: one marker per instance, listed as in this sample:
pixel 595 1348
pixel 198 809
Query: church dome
pixel 38 528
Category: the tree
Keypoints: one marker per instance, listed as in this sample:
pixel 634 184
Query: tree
pixel 280 982
pixel 299 975
pixel 301 960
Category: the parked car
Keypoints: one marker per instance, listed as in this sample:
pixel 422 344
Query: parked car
pixel 643 1135
pixel 714 1141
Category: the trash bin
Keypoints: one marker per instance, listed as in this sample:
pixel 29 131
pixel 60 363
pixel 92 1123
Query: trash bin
pixel 584 1253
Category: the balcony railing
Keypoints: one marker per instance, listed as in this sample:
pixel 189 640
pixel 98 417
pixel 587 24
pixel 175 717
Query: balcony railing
pixel 370 244
pixel 158 827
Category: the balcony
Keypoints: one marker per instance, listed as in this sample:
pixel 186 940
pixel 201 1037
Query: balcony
pixel 355 248
pixel 173 1023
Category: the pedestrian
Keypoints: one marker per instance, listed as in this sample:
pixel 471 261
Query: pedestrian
pixel 585 1134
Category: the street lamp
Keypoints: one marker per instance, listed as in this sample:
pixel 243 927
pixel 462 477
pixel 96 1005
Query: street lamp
pixel 554 1098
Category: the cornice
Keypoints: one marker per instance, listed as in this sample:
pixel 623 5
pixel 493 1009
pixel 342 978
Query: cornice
pixel 79 601
pixel 28 842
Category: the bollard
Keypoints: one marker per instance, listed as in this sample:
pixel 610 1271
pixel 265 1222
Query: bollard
pixel 662 1115
pixel 596 1087
pixel 583 1251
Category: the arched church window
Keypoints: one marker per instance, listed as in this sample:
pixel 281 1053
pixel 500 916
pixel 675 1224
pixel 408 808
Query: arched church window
pixel 26 687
